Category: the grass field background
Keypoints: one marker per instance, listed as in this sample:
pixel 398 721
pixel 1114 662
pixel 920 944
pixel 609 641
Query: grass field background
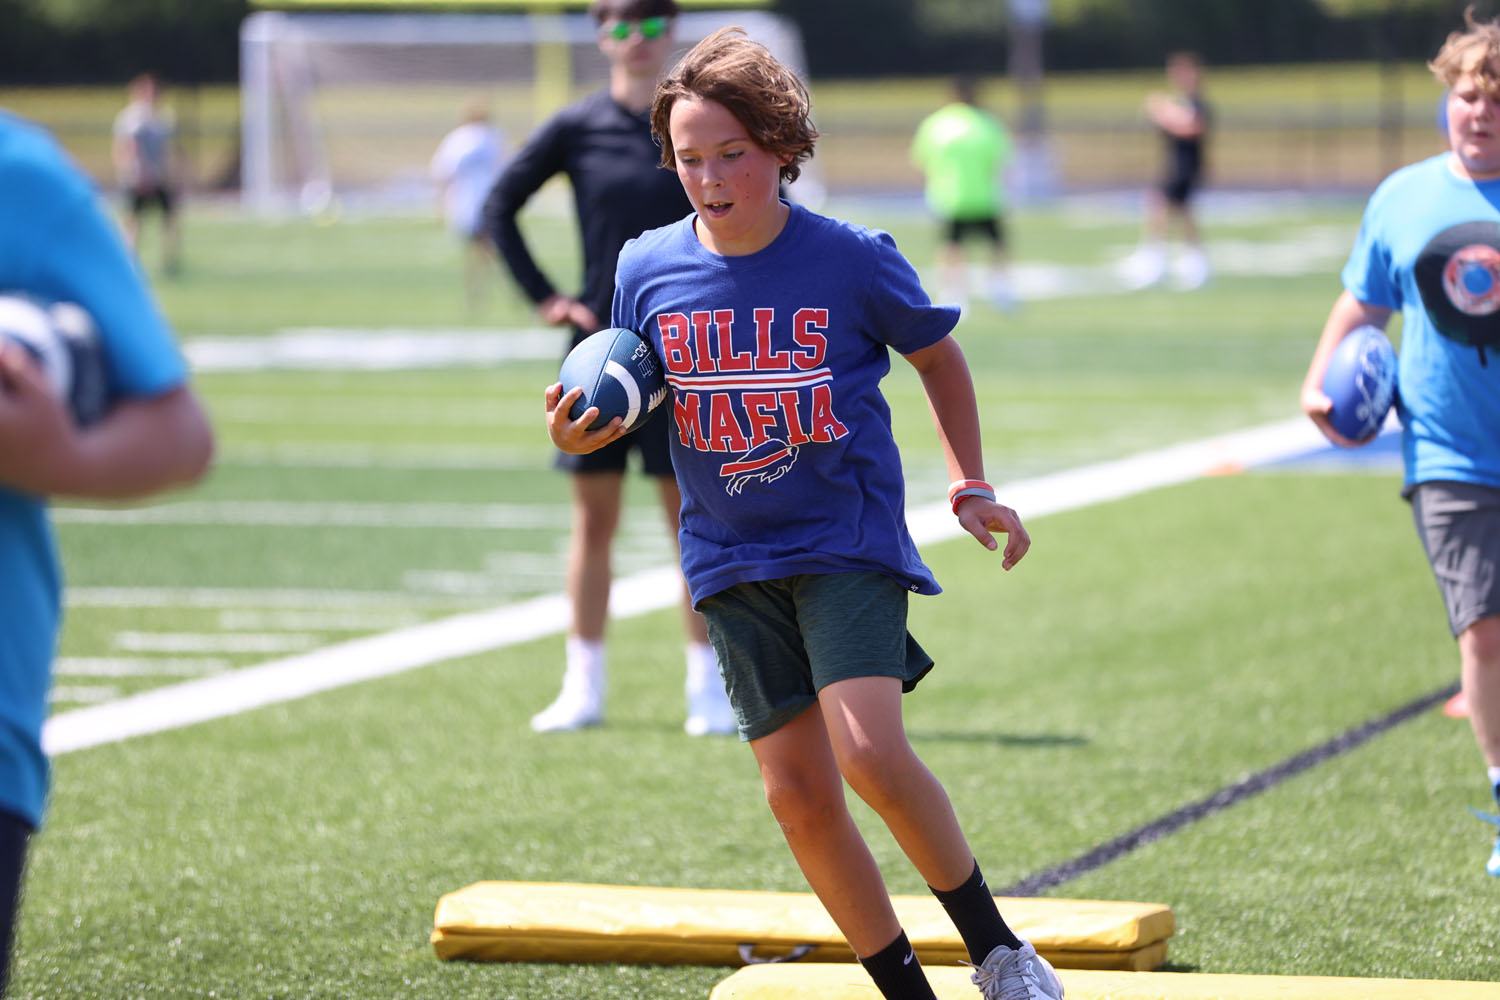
pixel 1147 652
pixel 1338 126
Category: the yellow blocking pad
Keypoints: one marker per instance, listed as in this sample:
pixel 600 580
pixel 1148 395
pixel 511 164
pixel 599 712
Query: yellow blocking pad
pixel 846 982
pixel 566 922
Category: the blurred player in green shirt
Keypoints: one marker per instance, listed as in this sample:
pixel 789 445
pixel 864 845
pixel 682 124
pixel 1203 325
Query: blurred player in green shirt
pixel 963 150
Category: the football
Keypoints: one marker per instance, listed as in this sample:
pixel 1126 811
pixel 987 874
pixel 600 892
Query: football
pixel 1361 382
pixel 63 340
pixel 620 374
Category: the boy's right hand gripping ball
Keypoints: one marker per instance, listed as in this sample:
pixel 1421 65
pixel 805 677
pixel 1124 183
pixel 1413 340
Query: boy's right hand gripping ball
pixel 1361 382
pixel 620 374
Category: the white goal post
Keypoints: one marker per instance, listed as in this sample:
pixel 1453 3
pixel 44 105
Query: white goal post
pixel 343 111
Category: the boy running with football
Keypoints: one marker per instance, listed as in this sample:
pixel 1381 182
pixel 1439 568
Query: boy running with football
pixel 1429 246
pixel 774 326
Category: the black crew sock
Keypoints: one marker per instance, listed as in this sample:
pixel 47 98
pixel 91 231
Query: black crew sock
pixel 897 973
pixel 973 911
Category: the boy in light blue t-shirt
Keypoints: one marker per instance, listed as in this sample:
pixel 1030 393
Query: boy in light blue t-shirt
pixel 1429 246
pixel 57 244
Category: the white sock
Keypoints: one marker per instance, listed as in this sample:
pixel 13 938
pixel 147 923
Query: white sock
pixel 702 666
pixel 1495 779
pixel 586 657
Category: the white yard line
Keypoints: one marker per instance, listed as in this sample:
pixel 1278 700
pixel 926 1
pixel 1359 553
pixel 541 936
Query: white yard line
pixel 234 597
pixel 83 693
pixel 137 666
pixel 376 349
pixel 481 631
pixel 338 514
pixel 363 455
pixel 314 620
pixel 323 514
pixel 214 642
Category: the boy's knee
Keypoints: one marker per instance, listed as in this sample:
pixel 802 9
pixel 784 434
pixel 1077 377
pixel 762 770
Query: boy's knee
pixel 877 775
pixel 1480 643
pixel 798 804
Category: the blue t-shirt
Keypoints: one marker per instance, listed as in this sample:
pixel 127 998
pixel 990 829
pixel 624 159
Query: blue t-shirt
pixel 782 440
pixel 57 243
pixel 1429 245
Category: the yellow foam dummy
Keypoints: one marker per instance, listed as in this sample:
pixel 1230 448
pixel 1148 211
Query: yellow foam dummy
pixel 849 982
pixel 564 922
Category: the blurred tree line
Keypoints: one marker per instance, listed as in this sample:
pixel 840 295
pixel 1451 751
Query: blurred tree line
pixel 858 37
pixel 197 41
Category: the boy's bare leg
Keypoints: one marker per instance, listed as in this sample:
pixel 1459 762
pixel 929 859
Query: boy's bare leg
pixel 868 739
pixel 806 795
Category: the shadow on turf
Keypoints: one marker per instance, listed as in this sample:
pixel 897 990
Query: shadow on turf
pixel 999 739
pixel 935 735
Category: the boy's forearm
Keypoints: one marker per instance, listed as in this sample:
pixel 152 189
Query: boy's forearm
pixel 1347 314
pixel 955 410
pixel 142 448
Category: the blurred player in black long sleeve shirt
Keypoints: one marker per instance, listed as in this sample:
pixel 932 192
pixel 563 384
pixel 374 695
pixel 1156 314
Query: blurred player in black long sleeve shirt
pixel 603 145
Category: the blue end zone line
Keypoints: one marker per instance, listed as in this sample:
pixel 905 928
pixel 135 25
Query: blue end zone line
pixel 466 634
pixel 1260 781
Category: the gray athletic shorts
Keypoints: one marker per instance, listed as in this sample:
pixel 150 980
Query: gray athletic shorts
pixel 780 642
pixel 1459 524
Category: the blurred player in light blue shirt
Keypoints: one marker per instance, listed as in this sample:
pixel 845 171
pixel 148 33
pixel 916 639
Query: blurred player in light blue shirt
pixel 1429 247
pixel 57 243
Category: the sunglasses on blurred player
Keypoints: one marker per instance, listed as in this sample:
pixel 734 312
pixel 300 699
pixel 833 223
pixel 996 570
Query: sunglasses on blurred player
pixel 647 27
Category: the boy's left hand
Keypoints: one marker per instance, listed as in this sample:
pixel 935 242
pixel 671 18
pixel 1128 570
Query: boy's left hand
pixel 980 517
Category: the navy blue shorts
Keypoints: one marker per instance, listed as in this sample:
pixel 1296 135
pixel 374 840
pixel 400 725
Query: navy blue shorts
pixel 650 440
pixel 991 229
pixel 780 642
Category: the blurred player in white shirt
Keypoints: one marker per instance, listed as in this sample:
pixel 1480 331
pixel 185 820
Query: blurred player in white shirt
pixel 465 167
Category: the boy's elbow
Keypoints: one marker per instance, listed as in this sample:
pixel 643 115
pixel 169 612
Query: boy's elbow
pixel 193 440
pixel 199 454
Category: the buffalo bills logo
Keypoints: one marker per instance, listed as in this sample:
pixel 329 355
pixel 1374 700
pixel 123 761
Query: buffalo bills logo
pixel 766 462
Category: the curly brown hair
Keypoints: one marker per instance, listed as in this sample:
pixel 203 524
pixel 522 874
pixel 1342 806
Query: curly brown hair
pixel 762 93
pixel 1472 52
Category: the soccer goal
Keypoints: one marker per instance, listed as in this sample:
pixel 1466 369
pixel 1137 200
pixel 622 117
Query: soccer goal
pixel 342 111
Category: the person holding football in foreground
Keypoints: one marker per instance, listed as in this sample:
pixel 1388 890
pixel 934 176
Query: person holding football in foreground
pixel 56 243
pixel 1429 246
pixel 774 325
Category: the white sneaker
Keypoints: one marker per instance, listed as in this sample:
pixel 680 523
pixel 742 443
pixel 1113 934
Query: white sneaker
pixel 1001 296
pixel 580 704
pixel 1145 268
pixel 1008 974
pixel 709 712
pixel 708 706
pixel 1193 270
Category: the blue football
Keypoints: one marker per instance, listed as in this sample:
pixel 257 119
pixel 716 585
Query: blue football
pixel 620 374
pixel 1361 382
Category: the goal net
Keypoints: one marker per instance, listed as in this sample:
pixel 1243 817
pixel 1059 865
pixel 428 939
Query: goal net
pixel 343 111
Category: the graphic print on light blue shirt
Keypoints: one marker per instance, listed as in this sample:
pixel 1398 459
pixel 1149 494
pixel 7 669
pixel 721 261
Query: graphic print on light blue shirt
pixel 782 439
pixel 1424 248
pixel 1458 275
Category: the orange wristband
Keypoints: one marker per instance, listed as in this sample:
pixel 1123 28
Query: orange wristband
pixel 969 488
pixel 965 484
